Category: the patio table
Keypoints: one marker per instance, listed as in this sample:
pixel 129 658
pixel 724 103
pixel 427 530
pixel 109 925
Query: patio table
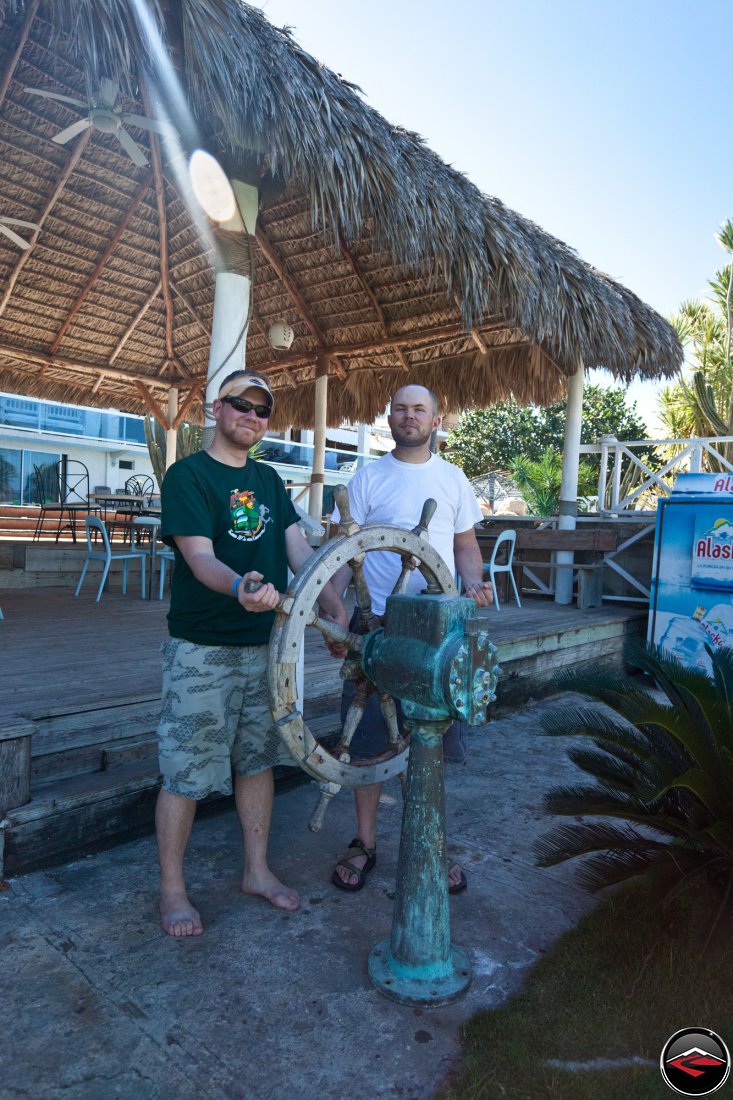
pixel 134 500
pixel 153 524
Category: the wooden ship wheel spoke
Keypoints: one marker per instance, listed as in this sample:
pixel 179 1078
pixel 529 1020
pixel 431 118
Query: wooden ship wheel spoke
pixel 334 767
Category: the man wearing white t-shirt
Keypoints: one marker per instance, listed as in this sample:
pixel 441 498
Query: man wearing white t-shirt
pixel 393 491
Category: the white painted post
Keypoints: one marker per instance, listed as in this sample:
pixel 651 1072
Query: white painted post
pixel 606 442
pixel 696 459
pixel 569 486
pixel 171 435
pixel 617 470
pixel 362 444
pixel 232 294
pixel 315 496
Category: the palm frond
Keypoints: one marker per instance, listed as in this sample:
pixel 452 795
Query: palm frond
pixel 662 762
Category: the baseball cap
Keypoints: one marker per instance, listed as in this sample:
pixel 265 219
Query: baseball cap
pixel 240 380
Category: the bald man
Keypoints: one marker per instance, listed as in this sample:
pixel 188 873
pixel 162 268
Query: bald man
pixel 393 491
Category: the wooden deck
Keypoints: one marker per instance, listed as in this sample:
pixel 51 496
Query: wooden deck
pixel 84 678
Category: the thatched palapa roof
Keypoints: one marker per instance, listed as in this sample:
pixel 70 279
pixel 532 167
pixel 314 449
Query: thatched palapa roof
pixel 389 265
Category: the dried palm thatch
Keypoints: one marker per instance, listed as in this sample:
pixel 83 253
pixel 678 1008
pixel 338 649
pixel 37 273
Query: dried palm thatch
pixel 390 266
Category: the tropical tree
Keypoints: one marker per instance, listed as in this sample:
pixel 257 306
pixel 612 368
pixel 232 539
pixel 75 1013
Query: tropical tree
pixel 661 801
pixel 539 481
pixel 489 439
pixel 701 403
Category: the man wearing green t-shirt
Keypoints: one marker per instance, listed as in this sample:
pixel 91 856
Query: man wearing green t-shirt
pixel 228 520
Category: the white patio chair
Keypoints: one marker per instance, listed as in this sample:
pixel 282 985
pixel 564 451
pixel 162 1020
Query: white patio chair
pixel 508 540
pixel 104 553
pixel 163 555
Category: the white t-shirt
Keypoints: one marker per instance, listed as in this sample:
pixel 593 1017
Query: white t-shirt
pixel 394 492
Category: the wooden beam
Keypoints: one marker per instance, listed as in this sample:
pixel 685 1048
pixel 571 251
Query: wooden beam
pixel 474 333
pixel 259 323
pixel 206 329
pixel 177 365
pixel 409 339
pixel 48 362
pixel 194 392
pixel 162 225
pixel 346 253
pixel 98 383
pixel 476 337
pixel 41 218
pixel 13 62
pixel 135 322
pixel 137 198
pixel 295 296
pixel 151 404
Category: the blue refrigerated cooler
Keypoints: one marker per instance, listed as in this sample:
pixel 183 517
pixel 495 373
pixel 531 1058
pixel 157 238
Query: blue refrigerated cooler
pixel 692 570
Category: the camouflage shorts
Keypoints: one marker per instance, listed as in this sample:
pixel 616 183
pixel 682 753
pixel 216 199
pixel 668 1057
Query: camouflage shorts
pixel 214 716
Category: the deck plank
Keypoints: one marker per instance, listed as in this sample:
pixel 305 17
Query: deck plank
pixel 88 676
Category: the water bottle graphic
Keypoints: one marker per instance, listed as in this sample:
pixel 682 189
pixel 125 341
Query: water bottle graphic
pixel 685 639
pixel 717 623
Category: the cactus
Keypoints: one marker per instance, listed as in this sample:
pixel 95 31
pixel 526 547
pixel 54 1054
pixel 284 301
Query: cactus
pixel 188 440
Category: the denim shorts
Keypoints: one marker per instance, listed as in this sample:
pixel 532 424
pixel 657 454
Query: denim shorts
pixel 215 716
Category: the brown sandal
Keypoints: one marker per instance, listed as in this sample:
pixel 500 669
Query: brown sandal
pixel 360 872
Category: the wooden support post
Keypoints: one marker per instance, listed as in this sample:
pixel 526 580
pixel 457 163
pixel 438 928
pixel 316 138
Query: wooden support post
pixel 171 435
pixel 315 499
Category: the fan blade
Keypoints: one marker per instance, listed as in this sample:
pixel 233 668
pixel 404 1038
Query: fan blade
pixel 56 95
pixel 13 236
pixel 18 221
pixel 108 90
pixel 72 131
pixel 147 123
pixel 135 154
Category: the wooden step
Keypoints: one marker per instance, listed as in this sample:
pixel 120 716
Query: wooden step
pixel 86 791
pixel 66 817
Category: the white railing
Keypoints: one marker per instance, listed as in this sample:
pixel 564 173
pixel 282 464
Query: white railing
pixel 628 488
pixel 627 485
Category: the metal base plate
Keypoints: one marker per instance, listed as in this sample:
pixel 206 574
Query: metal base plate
pixel 418 991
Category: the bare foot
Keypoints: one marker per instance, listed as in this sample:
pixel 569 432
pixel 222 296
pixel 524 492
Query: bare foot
pixel 177 916
pixel 269 887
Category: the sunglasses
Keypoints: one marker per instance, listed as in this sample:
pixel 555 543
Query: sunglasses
pixel 243 406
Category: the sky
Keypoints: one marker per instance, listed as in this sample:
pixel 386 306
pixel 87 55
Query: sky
pixel 604 122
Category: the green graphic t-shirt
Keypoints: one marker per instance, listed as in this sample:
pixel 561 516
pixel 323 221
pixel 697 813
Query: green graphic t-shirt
pixel 245 513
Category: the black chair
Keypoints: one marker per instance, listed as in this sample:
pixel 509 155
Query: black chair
pixel 142 486
pixel 127 510
pixel 62 489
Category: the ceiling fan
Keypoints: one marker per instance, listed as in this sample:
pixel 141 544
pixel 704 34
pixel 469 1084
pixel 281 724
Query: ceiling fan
pixel 103 116
pixel 15 237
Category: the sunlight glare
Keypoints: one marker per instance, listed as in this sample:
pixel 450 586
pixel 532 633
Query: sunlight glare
pixel 211 186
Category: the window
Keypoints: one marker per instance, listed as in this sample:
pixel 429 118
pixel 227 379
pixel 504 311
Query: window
pixel 10 467
pixel 17 480
pixel 46 416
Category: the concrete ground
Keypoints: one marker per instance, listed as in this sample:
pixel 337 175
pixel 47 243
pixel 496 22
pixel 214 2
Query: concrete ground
pixel 98 1003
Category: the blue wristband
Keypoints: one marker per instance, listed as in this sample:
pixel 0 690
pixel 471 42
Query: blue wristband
pixel 235 586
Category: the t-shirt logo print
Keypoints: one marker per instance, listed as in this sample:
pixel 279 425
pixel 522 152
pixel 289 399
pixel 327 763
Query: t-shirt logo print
pixel 249 518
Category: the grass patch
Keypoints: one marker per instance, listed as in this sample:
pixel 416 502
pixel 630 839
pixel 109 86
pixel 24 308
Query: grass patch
pixel 614 988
